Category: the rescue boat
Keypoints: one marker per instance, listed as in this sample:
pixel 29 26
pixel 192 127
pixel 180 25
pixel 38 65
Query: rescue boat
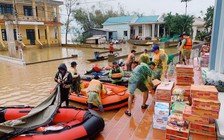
pixel 116 97
pixel 68 124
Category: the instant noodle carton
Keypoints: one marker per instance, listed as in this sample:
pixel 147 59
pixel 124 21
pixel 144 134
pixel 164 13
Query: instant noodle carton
pixel 164 91
pixel 206 104
pixel 188 116
pixel 205 113
pixel 204 92
pixel 202 129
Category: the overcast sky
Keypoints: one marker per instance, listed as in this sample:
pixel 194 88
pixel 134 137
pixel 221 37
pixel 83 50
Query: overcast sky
pixel 151 7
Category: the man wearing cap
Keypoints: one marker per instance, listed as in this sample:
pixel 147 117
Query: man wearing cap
pixel 178 47
pixel 144 57
pixel 76 80
pixel 186 48
pixel 116 73
pixel 160 59
pixel 130 60
pixel 140 79
pixel 64 79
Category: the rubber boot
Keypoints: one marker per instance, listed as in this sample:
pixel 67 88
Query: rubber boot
pixel 90 105
pixel 101 108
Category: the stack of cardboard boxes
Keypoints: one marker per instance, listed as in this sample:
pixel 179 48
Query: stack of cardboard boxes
pixel 164 92
pixel 205 108
pixel 184 74
pixel 160 117
pixel 176 128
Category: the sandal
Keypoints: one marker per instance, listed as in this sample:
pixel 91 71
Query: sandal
pixel 144 106
pixel 127 113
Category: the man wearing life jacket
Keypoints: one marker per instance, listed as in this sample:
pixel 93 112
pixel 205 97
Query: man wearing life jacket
pixel 140 79
pixel 144 57
pixel 116 73
pixel 94 92
pixel 186 48
pixel 160 59
pixel 76 79
pixel 130 60
pixel 64 78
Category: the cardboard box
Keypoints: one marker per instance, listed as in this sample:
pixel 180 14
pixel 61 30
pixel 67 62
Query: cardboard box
pixel 204 92
pixel 165 86
pixel 161 109
pixel 160 120
pixel 184 83
pixel 182 66
pixel 177 131
pixel 185 99
pixel 210 128
pixel 205 113
pixel 156 82
pixel 206 104
pixel 186 74
pixel 165 97
pixel 183 79
pixel 172 137
pixel 208 135
pixel 161 127
pixel 188 116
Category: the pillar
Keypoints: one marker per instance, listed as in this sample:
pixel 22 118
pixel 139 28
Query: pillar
pixel 153 31
pixel 158 30
pixel 1 34
pixel 45 10
pixel 48 36
pixel 216 60
pixel 57 14
pixel 34 9
pixel 10 38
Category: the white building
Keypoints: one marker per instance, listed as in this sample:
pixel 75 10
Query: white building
pixel 198 26
pixel 131 26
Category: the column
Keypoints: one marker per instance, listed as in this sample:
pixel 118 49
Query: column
pixel 1 34
pixel 157 30
pixel 34 9
pixel 45 10
pixel 57 14
pixel 153 31
pixel 48 36
pixel 10 38
pixel 59 34
pixel 36 34
pixel 215 35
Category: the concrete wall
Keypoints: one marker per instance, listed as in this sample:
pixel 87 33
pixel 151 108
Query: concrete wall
pixel 120 29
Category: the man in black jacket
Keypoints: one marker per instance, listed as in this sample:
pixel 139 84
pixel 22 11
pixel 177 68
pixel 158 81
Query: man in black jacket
pixel 64 78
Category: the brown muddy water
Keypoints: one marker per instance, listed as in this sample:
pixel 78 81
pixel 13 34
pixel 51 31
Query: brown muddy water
pixel 30 85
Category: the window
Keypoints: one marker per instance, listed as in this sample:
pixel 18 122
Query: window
pixel 140 29
pixel 15 35
pixel 36 11
pixel 28 10
pixel 38 33
pixel 45 34
pixel 56 32
pixel 4 36
pixel 6 9
pixel 125 33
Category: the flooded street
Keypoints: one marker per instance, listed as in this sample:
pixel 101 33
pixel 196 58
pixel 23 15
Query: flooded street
pixel 30 85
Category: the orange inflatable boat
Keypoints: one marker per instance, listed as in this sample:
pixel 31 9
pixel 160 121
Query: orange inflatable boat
pixel 116 97
pixel 68 124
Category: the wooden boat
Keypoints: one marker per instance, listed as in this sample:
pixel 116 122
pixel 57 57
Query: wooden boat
pixel 95 60
pixel 68 124
pixel 116 97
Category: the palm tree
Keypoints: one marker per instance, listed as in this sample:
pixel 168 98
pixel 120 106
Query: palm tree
pixel 186 5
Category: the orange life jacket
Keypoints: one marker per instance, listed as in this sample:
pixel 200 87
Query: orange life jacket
pixel 188 45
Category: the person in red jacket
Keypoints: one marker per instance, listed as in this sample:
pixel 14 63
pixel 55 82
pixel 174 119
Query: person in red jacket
pixel 111 48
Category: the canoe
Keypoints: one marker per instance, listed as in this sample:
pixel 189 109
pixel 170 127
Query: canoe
pixel 116 97
pixel 68 124
pixel 95 60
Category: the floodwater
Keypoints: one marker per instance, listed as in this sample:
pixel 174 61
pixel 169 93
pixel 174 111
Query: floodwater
pixel 30 85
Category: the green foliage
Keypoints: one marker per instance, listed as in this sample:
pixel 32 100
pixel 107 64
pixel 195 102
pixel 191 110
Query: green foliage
pixel 209 18
pixel 200 35
pixel 94 18
pixel 177 24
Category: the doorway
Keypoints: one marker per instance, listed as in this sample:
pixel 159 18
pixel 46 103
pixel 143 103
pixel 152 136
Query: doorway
pixel 31 36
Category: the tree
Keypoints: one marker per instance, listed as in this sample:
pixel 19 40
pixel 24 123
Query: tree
pixel 209 18
pixel 186 5
pixel 96 17
pixel 69 5
pixel 177 24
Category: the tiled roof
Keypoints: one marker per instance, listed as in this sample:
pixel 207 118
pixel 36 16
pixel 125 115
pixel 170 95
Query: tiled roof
pixel 146 19
pixel 118 20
